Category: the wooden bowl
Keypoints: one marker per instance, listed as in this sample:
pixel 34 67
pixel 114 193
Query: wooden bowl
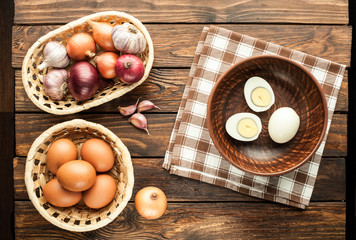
pixel 293 86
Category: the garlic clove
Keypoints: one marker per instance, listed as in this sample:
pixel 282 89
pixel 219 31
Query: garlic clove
pixel 146 105
pixel 127 111
pixel 139 121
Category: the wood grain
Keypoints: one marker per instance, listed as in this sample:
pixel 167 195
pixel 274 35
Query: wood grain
pixel 139 144
pixel 325 41
pixel 294 11
pixel 227 220
pixel 330 184
pixel 164 87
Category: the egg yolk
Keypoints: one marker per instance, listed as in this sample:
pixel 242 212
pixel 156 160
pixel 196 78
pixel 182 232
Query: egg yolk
pixel 261 97
pixel 247 128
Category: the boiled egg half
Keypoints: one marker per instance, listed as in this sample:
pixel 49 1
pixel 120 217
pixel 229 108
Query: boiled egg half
pixel 244 126
pixel 258 94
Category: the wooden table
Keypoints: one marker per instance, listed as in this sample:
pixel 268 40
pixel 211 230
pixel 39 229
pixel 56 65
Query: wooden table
pixel 195 210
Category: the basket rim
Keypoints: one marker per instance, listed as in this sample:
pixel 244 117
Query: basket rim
pixel 95 102
pixel 30 184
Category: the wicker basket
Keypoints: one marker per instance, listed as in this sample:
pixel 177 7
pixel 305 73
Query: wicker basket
pixel 32 78
pixel 78 217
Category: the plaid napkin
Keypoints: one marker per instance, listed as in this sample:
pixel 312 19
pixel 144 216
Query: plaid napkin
pixel 191 152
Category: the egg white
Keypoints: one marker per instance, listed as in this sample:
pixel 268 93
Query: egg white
pixel 231 126
pixel 250 85
pixel 283 125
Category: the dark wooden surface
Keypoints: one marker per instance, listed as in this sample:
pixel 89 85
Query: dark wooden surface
pixel 195 210
pixel 7 133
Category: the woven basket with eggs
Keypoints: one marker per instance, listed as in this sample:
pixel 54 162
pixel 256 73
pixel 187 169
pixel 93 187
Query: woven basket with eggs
pixel 78 217
pixel 32 77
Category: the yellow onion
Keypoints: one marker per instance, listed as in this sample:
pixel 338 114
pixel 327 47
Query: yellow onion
pixel 151 202
pixel 102 35
pixel 105 63
pixel 81 46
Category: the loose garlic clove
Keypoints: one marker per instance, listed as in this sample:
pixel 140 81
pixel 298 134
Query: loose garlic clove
pixel 139 121
pixel 146 105
pixel 127 111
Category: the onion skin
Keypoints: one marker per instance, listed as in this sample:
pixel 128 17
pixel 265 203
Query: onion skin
pixel 105 83
pixel 151 202
pixel 83 81
pixel 102 35
pixel 105 63
pixel 81 46
pixel 129 68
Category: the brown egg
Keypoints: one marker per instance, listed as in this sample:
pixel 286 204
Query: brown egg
pixel 76 175
pixel 58 196
pixel 60 152
pixel 101 193
pixel 98 153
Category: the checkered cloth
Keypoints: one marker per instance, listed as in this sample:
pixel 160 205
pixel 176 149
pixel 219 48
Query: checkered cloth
pixel 191 152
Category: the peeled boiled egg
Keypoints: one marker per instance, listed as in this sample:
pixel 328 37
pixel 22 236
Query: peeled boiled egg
pixel 58 196
pixel 101 193
pixel 244 126
pixel 59 152
pixel 283 125
pixel 76 176
pixel 98 153
pixel 258 94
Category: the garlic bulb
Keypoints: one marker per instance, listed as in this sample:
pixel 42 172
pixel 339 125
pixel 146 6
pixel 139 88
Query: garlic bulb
pixel 55 55
pixel 55 84
pixel 127 38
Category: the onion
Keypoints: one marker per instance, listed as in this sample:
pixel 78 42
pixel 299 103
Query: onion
pixel 150 202
pixel 83 81
pixel 105 83
pixel 129 68
pixel 105 63
pixel 102 35
pixel 55 84
pixel 81 46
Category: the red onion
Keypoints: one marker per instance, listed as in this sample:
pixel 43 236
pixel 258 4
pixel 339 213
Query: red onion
pixel 129 68
pixel 83 81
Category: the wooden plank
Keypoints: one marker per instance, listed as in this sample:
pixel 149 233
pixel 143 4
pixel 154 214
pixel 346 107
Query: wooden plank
pixel 164 87
pixel 159 125
pixel 228 220
pixel 293 11
pixel 175 44
pixel 330 183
